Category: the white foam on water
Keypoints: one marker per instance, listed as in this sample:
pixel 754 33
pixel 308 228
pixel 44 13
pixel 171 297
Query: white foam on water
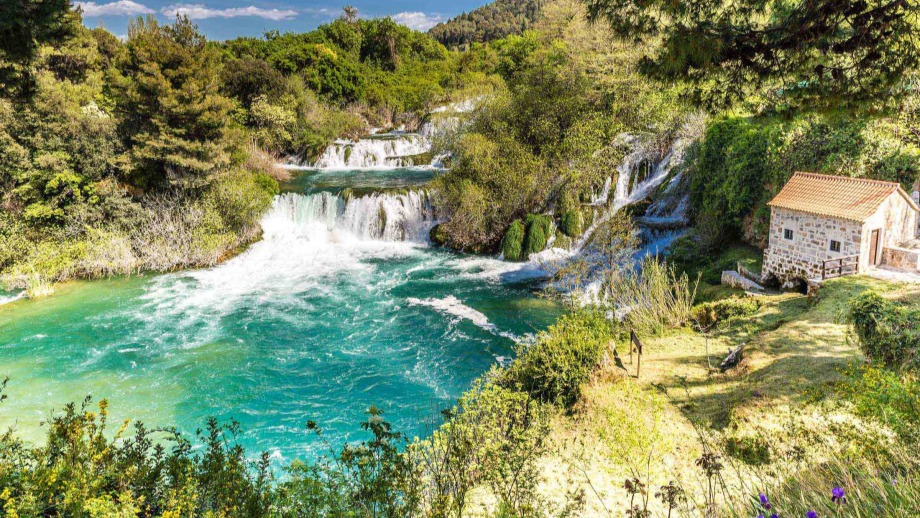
pixel 309 243
pixel 6 299
pixel 453 306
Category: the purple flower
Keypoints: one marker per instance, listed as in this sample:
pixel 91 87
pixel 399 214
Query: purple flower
pixel 760 516
pixel 764 501
pixel 774 515
pixel 838 495
pixel 811 514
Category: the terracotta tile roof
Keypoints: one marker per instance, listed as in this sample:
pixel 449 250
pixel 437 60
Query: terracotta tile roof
pixel 843 197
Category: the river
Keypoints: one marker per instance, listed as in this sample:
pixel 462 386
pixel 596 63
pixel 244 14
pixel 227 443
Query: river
pixel 335 310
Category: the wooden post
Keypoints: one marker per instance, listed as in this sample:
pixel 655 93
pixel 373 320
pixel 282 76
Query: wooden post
pixel 635 342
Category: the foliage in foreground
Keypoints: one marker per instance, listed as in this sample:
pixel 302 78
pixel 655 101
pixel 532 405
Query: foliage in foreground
pixel 494 439
pixel 800 53
pixel 563 359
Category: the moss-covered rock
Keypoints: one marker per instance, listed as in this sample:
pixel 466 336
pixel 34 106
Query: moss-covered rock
pixel 539 228
pixel 513 242
pixel 570 223
pixel 438 235
pixel 562 241
pixel 637 209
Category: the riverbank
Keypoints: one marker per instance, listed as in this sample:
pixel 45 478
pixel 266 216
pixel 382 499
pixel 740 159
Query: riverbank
pixel 154 233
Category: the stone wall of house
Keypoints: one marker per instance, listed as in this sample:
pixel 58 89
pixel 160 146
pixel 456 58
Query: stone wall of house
pixel 801 258
pixel 897 221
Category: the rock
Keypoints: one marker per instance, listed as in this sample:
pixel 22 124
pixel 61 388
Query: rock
pixel 734 356
pixel 736 280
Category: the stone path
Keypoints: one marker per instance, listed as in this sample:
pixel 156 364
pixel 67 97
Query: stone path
pixel 892 274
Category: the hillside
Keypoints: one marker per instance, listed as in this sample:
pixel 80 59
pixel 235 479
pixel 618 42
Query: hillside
pixel 489 22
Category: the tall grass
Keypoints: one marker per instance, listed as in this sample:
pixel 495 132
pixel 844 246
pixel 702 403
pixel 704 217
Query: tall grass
pixel 654 296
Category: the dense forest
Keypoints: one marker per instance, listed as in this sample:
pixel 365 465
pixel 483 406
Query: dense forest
pixel 159 152
pixel 490 22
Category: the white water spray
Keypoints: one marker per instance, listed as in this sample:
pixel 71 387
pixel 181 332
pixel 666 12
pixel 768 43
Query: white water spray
pixel 377 152
pixel 380 216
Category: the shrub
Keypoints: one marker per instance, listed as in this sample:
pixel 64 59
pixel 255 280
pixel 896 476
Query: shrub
pixel 539 228
pixel 513 242
pixel 887 332
pixel 553 369
pixel 724 311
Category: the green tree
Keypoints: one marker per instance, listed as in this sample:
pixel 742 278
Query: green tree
pixel 26 25
pixel 176 121
pixel 805 52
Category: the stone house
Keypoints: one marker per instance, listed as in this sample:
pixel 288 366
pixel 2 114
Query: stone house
pixel 825 226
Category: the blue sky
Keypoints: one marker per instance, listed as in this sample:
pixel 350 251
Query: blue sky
pixel 224 19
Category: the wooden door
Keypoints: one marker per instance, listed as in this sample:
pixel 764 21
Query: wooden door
pixel 873 247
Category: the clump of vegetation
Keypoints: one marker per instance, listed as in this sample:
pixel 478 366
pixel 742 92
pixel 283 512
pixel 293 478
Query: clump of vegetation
pixel 887 331
pixel 570 223
pixel 436 235
pixel 885 396
pixel 654 297
pixel 539 228
pixel 513 242
pixel 723 312
pixel 555 367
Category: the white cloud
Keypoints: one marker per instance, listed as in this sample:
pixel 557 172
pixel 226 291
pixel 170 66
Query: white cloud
pixel 119 8
pixel 418 21
pixel 200 12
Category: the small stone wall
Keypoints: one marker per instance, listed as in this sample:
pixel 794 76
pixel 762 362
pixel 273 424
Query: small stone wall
pixel 734 279
pixel 901 258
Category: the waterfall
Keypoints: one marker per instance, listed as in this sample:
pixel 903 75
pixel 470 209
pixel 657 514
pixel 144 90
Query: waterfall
pixel 605 192
pixel 388 150
pixel 375 217
pixel 638 176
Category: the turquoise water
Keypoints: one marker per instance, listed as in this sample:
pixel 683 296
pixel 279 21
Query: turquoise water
pixel 334 180
pixel 312 323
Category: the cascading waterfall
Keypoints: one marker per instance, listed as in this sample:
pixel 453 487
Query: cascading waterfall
pixel 379 151
pixel 638 176
pixel 381 216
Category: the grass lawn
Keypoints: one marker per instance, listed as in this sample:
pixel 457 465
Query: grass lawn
pixel 794 349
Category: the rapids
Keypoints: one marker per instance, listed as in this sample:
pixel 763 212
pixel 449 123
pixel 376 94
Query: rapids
pixel 342 305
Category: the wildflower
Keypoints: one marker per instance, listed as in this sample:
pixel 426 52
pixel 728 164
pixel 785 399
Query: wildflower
pixel 838 495
pixel 774 515
pixel 811 514
pixel 765 502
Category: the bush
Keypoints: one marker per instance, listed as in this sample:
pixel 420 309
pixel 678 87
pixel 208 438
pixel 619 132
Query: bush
pixel 553 369
pixel 724 311
pixel 887 331
pixel 513 242
pixel 570 223
pixel 539 228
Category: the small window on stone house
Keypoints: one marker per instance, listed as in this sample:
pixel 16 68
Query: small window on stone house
pixel 835 245
pixel 788 234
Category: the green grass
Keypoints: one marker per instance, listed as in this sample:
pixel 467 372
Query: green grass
pixel 795 351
